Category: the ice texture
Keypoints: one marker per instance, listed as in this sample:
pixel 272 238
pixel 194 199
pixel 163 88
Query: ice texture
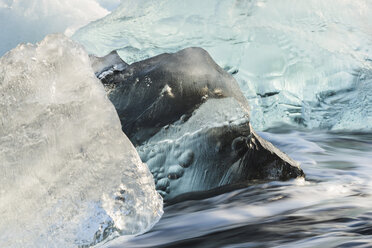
pixel 107 65
pixel 215 147
pixel 190 123
pixel 302 62
pixel 184 156
pixel 69 175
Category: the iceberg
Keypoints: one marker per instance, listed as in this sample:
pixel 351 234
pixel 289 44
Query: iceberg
pixel 299 63
pixel 190 123
pixel 69 175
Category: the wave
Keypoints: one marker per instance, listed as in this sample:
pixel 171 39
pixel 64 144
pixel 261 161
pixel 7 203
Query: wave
pixel 308 64
pixel 69 175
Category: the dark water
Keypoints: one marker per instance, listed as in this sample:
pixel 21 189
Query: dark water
pixel 331 208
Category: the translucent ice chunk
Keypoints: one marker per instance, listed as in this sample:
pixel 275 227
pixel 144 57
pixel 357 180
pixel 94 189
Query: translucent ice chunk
pixel 68 175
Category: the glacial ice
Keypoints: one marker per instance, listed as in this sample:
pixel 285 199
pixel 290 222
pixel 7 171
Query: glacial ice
pixel 107 65
pixel 69 176
pixel 190 123
pixel 208 151
pixel 305 63
pixel 176 146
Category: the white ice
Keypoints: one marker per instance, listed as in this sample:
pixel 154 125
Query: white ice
pixel 69 176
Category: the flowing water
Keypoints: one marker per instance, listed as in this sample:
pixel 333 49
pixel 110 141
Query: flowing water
pixel 331 208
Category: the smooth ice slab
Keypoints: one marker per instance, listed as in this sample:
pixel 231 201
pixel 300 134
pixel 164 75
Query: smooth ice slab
pixel 69 176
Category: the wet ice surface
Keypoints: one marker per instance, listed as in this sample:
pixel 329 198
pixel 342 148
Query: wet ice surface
pixel 181 154
pixel 309 64
pixel 68 174
pixel 332 208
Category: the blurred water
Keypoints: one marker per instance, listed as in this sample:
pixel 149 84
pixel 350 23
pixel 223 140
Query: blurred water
pixel 331 208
